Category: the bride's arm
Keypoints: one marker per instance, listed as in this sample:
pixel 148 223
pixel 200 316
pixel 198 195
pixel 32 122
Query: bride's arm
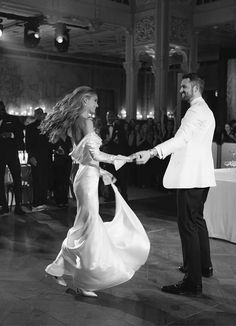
pixel 100 156
pixel 97 155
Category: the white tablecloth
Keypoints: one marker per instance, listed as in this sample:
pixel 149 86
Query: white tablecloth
pixel 227 151
pixel 220 207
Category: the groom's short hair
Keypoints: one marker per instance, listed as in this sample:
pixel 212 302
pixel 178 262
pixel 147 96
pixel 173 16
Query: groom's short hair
pixel 196 79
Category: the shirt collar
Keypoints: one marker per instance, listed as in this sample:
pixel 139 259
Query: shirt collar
pixel 196 100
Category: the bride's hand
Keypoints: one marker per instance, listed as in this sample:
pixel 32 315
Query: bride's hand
pixel 133 157
pixel 124 158
pixel 107 177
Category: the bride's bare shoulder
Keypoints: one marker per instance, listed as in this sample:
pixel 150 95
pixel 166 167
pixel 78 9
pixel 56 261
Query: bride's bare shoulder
pixel 86 125
pixel 81 128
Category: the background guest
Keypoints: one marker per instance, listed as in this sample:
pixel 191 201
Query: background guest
pixel 227 135
pixel 11 141
pixel 40 158
pixel 115 142
pixel 61 168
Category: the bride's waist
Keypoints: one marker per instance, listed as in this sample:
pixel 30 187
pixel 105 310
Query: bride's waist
pixel 90 166
pixel 94 164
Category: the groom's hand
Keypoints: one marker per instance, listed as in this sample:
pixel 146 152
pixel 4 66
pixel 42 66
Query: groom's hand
pixel 142 157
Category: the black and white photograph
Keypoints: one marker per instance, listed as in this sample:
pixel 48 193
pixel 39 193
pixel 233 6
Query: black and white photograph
pixel 117 163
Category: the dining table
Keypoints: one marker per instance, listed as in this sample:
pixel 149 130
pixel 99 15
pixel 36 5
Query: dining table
pixel 220 206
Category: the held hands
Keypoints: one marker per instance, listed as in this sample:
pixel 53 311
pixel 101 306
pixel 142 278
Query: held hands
pixel 142 157
pixel 120 160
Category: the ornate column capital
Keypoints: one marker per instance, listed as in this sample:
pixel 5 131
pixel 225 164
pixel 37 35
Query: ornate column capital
pixel 144 30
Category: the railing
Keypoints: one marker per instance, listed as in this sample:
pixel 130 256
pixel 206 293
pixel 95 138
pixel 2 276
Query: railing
pixel 203 2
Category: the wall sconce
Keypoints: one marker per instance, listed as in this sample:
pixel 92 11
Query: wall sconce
pixel 31 34
pixel 62 37
pixel 123 113
pixel 139 116
pixel 150 115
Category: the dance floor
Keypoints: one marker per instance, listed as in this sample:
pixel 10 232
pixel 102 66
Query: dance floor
pixel 28 298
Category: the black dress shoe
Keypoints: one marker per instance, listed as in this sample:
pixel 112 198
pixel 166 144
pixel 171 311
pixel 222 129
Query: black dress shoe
pixel 182 269
pixel 183 288
pixel 4 210
pixel 207 272
pixel 19 211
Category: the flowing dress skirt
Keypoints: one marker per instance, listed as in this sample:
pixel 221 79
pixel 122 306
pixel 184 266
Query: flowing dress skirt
pixel 100 255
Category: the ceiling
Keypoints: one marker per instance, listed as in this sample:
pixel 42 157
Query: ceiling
pixel 88 37
pixel 104 40
pixel 212 38
pixel 91 38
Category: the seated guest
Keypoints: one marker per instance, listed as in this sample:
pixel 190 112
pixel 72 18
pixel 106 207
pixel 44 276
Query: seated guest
pixel 11 141
pixel 227 135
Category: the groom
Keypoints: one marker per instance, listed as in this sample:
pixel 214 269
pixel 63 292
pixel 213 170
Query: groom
pixel 191 172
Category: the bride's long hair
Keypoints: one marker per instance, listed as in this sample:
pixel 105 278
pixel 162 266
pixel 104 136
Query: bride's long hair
pixel 64 114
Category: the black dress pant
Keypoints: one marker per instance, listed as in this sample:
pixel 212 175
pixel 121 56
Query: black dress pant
pixel 40 179
pixel 193 232
pixel 61 179
pixel 10 159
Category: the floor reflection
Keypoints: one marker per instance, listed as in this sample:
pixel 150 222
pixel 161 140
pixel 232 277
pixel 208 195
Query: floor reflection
pixel 27 297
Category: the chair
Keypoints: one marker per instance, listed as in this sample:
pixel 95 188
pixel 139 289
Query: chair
pixel 26 182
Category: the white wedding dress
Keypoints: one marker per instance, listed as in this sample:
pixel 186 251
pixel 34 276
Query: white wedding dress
pixel 99 255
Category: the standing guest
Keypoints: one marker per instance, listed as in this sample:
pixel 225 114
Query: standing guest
pixel 143 143
pixel 115 142
pixel 96 255
pixel 61 168
pixel 11 141
pixel 132 136
pixel 168 133
pixel 132 148
pixel 40 158
pixel 126 129
pixel 157 165
pixel 191 172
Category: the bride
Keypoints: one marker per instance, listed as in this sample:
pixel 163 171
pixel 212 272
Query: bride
pixel 95 254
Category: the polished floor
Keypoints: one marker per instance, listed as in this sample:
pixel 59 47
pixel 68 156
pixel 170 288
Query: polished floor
pixel 28 298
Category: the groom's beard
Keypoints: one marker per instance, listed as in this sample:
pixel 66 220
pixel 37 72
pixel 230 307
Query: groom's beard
pixel 186 97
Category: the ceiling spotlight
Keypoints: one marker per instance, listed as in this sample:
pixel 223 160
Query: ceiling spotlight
pixel 1 30
pixel 62 37
pixel 31 34
pixel 1 27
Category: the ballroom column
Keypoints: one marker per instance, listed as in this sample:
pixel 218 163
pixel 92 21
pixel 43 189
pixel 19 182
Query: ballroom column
pixel 160 61
pixel 193 57
pixel 131 66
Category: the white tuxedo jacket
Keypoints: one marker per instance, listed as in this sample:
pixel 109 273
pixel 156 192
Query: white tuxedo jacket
pixel 191 163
